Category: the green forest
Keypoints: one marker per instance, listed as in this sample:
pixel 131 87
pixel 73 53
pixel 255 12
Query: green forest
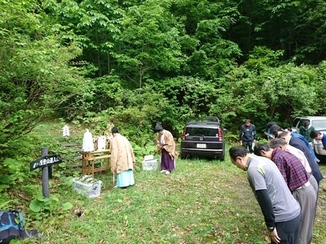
pixel 131 63
pixel 137 63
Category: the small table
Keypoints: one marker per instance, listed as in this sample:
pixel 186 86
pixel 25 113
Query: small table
pixel 89 158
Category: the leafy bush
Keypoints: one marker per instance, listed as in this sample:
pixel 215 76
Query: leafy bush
pixel 49 207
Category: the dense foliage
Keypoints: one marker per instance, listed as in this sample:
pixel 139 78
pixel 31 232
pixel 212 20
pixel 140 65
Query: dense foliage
pixel 135 63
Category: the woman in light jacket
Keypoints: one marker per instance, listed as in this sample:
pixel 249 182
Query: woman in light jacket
pixel 122 159
pixel 166 147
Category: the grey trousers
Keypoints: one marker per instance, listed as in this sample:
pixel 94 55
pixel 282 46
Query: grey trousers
pixel 307 198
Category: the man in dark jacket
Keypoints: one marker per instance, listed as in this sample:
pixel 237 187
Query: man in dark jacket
pixel 247 135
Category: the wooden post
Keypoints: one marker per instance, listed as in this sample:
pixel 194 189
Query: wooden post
pixel 45 174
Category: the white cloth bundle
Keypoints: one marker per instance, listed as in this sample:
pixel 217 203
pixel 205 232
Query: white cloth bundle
pixel 88 144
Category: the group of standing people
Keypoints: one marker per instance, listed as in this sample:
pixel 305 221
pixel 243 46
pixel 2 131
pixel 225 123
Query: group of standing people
pixel 284 176
pixel 123 158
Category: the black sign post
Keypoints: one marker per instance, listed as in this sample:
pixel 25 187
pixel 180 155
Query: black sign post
pixel 45 174
pixel 45 162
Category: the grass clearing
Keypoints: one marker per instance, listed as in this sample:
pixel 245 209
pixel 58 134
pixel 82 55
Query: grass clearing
pixel 200 202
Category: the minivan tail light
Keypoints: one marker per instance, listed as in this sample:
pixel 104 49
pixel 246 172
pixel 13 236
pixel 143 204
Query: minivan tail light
pixel 184 133
pixel 220 134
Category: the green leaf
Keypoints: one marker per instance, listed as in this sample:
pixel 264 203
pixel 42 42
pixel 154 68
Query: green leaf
pixel 35 205
pixel 67 206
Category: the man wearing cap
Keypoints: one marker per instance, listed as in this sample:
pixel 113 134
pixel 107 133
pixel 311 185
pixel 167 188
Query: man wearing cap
pixel 166 147
pixel 122 159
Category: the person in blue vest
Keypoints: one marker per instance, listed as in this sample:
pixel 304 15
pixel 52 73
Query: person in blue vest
pixel 319 136
pixel 247 135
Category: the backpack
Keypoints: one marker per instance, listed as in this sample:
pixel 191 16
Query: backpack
pixel 11 221
pixel 12 226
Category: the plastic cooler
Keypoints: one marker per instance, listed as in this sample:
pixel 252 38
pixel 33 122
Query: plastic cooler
pixel 87 186
pixel 150 164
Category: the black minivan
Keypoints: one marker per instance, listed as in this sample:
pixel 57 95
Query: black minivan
pixel 203 139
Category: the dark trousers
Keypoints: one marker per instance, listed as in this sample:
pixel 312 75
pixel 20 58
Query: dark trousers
pixel 288 231
pixel 248 145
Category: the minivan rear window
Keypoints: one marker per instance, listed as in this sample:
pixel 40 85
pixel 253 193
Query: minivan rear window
pixel 195 131
pixel 319 124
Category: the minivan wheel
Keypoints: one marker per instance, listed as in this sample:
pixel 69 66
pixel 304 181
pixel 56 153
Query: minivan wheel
pixel 183 156
pixel 220 157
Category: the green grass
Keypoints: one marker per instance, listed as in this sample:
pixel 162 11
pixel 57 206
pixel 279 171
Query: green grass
pixel 200 202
